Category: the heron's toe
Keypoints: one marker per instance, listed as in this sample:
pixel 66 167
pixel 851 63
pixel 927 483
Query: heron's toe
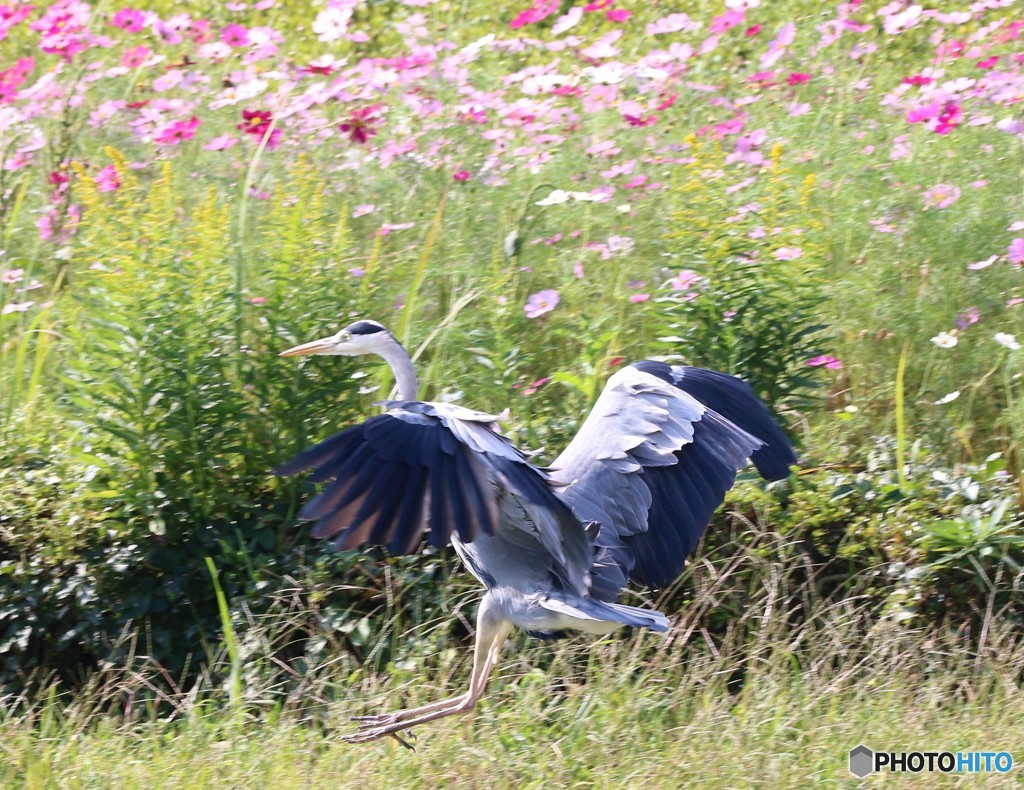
pixel 377 720
pixel 367 734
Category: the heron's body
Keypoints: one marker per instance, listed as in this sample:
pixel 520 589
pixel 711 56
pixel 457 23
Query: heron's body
pixel 629 497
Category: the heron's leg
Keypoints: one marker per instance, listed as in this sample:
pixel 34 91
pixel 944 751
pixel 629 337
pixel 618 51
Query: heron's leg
pixel 490 636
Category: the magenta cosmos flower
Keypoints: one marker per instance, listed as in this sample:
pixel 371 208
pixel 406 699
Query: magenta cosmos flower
pixel 541 302
pixel 177 132
pixel 235 36
pixel 826 360
pixel 359 126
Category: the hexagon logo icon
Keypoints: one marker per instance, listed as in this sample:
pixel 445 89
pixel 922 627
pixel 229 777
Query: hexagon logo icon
pixel 862 761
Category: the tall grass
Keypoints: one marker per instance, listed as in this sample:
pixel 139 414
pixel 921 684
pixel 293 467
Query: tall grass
pixel 769 703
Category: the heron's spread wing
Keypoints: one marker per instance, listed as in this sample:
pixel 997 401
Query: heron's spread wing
pixel 654 460
pixel 440 465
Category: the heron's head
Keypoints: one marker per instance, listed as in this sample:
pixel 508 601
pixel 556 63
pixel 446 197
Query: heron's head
pixel 362 337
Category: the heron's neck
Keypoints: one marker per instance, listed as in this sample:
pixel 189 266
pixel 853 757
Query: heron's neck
pixel 401 365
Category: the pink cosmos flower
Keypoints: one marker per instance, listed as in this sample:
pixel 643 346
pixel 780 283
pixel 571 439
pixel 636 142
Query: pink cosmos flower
pixel 130 20
pixel 133 58
pixel 983 264
pixel 617 15
pixel 787 253
pixel 541 302
pixel 672 23
pixel 730 19
pixel 16 307
pixel 830 362
pixel 639 298
pixel 12 276
pixel 530 389
pixel 363 209
pixel 177 132
pixel 108 180
pixel 1015 253
pixel 923 114
pixel 968 317
pixel 462 175
pixel 220 143
pixel 11 78
pixel 941 196
pixel 235 35
pixel 47 224
pixel 64 26
pixel 539 10
pixel 685 280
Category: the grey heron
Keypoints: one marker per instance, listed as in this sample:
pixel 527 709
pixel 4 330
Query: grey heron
pixel 628 499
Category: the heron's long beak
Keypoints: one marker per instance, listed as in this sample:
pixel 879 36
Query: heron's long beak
pixel 321 346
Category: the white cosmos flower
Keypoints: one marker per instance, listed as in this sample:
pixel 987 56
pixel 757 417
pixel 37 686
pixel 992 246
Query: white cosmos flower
pixel 1008 340
pixel 948 398
pixel 945 340
pixel 557 196
pixel 606 74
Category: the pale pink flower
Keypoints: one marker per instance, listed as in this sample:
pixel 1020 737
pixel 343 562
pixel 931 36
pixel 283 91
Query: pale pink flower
pixel 221 143
pixel 541 302
pixel 969 316
pixel 1015 253
pixel 332 24
pixel 685 280
pixel 983 264
pixel 941 196
pixel 567 21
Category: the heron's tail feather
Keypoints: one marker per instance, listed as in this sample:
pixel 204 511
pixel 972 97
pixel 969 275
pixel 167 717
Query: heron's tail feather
pixel 591 609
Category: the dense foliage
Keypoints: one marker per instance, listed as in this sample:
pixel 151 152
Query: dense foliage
pixel 823 199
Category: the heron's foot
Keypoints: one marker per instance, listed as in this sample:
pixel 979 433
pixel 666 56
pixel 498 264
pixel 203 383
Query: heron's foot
pixel 367 733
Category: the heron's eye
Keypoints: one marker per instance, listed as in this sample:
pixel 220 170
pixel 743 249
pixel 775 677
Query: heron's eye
pixel 345 337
